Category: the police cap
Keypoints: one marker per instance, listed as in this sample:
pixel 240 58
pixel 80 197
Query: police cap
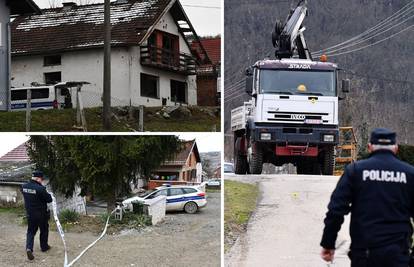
pixel 38 174
pixel 382 136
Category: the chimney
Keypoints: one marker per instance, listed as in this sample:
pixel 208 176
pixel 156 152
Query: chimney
pixel 68 5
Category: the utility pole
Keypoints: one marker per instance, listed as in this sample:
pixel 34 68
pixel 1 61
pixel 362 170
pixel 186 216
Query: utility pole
pixel 107 68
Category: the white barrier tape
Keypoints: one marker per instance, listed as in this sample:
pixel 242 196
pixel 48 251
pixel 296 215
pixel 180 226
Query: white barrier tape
pixel 59 227
pixel 62 234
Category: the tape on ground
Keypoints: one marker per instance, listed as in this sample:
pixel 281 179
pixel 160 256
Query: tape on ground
pixel 62 234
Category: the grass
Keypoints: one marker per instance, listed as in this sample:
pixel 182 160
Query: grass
pixel 63 121
pixel 240 202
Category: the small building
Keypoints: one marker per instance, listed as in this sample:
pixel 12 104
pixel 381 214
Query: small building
pixel 185 169
pixel 9 8
pixel 15 170
pixel 152 60
pixel 209 75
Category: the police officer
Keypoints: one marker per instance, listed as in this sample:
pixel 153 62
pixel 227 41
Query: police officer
pixel 379 193
pixel 35 200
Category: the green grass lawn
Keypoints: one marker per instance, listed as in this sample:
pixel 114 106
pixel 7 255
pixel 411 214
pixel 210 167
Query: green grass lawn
pixel 240 201
pixel 63 121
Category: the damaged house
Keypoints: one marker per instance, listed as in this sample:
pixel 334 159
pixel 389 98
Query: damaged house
pixel 153 54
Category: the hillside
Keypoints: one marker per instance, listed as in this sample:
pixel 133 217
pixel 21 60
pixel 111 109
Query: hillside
pixel 382 81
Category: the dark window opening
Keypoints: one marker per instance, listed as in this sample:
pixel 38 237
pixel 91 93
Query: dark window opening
pixel 178 91
pixel 52 60
pixel 53 77
pixel 40 93
pixel 149 85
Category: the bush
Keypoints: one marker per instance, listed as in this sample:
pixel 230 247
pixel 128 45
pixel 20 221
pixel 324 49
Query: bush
pixel 68 216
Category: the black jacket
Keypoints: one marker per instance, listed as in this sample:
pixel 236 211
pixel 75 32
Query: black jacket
pixel 379 193
pixel 35 197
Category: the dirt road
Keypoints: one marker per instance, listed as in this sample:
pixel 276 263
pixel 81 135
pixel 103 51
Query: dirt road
pixel 182 240
pixel 286 228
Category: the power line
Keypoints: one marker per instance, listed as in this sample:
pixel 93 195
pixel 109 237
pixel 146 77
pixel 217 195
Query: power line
pixel 377 78
pixel 379 25
pixel 377 42
pixel 366 38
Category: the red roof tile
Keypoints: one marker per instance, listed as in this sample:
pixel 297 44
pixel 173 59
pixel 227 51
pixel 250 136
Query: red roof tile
pixel 213 48
pixel 17 154
pixel 80 27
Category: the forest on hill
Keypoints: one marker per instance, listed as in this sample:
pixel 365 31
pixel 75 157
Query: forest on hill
pixel 382 76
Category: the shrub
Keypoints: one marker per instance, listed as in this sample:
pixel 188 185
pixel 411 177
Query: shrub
pixel 68 216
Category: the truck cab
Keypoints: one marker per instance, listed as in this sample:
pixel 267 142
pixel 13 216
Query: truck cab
pixel 292 117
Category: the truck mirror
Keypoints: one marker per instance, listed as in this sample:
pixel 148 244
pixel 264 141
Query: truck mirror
pixel 249 71
pixel 249 85
pixel 346 85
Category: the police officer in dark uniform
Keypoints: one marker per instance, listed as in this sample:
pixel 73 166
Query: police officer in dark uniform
pixel 379 193
pixel 35 200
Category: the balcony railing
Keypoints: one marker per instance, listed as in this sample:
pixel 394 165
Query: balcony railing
pixel 165 59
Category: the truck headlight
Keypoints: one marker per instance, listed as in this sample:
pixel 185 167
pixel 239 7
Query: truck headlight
pixel 328 138
pixel 266 136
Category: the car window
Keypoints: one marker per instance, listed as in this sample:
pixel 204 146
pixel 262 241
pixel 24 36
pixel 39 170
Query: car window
pixel 162 192
pixel 189 190
pixel 175 191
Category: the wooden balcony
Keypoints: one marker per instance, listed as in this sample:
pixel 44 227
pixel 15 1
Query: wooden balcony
pixel 168 60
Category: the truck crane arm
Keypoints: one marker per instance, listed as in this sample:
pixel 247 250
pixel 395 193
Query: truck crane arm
pixel 288 37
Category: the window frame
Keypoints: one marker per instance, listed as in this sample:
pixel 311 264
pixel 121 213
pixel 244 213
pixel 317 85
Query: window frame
pixel 157 78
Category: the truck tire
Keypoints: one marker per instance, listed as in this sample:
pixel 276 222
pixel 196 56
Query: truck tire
pixel 328 161
pixel 256 160
pixel 240 161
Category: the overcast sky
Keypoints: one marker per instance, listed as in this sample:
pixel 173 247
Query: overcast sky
pixel 206 142
pixel 206 21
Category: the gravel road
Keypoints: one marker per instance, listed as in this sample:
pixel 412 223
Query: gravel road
pixel 182 240
pixel 286 228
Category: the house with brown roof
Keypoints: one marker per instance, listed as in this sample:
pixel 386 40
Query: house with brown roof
pixel 209 74
pixel 153 62
pixel 9 8
pixel 184 169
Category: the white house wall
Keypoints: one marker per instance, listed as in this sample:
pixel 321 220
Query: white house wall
pixel 87 65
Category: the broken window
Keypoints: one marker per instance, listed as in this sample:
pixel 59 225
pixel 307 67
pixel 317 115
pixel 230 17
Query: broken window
pixel 149 85
pixel 52 60
pixel 53 77
pixel 178 91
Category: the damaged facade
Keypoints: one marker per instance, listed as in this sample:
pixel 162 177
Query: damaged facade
pixel 153 62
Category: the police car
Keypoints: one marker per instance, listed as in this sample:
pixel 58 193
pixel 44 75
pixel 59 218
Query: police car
pixel 187 198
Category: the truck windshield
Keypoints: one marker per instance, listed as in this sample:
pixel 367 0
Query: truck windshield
pixel 294 82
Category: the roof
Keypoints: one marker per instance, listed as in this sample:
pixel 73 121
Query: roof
pixel 294 63
pixel 22 7
pixel 213 48
pixel 184 154
pixel 75 27
pixel 18 154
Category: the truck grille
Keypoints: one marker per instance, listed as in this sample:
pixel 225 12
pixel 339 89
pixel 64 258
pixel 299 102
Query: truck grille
pixel 295 116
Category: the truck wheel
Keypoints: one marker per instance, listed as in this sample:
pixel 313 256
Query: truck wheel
pixel 240 161
pixel 255 159
pixel 328 161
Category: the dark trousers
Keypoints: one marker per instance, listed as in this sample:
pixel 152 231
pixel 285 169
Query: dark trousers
pixel 37 220
pixel 394 255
